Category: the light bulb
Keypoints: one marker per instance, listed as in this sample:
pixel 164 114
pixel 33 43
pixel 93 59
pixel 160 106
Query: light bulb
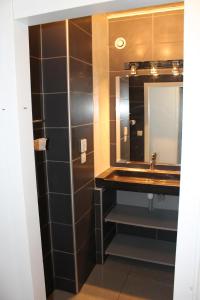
pixel 175 68
pixel 154 70
pixel 133 69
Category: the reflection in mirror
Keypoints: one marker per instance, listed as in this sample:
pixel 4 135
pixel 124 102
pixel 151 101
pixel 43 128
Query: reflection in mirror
pixel 149 118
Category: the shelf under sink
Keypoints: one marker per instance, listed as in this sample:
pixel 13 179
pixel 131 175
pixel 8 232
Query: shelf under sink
pixel 143 249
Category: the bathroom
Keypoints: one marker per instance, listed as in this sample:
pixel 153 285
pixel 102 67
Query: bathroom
pixel 76 67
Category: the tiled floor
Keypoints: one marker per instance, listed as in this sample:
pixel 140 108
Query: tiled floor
pixel 120 279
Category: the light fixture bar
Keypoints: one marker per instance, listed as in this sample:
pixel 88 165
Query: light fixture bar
pixel 145 11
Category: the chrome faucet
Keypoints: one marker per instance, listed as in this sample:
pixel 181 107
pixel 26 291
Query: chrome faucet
pixel 153 161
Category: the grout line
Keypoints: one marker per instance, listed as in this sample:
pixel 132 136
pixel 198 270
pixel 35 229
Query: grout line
pixel 70 156
pixel 59 193
pixel 60 223
pixel 89 34
pixel 82 61
pixel 78 158
pixel 60 251
pixel 83 186
pixel 82 125
pixel 58 161
pixel 54 57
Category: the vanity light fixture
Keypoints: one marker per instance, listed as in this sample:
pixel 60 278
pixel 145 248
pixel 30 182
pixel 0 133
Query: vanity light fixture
pixel 134 67
pixel 175 68
pixel 154 69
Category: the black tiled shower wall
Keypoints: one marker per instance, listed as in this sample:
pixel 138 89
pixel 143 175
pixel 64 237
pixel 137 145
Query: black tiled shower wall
pixel 40 157
pixel 81 88
pixel 66 213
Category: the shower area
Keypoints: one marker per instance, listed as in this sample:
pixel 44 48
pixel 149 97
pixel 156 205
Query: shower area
pixel 62 106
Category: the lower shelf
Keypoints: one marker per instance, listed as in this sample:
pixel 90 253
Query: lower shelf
pixel 143 249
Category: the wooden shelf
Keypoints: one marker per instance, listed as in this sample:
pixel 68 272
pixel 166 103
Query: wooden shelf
pixel 143 249
pixel 139 216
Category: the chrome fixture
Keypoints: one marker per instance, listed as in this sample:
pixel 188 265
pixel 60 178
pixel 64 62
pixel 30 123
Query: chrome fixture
pixel 175 68
pixel 153 161
pixel 134 67
pixel 154 69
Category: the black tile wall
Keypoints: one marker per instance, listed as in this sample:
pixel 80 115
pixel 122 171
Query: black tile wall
pixel 59 177
pixel 37 107
pixel 48 273
pixel 60 208
pixel 81 97
pixel 36 75
pixel 84 23
pixel 76 33
pixel 64 265
pixel 55 75
pixel 86 259
pixel 56 110
pixel 54 39
pixel 83 173
pixel 58 145
pixel 82 73
pixel 83 200
pixel 80 133
pixel 34 41
pixel 50 103
pixel 59 231
pixel 84 115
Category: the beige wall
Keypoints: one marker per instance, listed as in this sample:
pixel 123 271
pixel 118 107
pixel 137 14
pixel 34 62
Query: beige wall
pixel 101 93
pixel 157 36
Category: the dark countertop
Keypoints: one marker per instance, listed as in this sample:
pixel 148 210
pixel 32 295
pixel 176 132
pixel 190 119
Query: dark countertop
pixel 140 180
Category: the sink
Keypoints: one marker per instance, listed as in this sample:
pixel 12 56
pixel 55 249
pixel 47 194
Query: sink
pixel 140 180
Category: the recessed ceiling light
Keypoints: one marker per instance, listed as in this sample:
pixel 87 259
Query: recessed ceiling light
pixel 120 43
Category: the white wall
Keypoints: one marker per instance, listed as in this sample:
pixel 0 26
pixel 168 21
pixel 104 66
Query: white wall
pixel 21 276
pixel 41 11
pixel 21 259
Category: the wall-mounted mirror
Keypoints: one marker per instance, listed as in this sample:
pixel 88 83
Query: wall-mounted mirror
pixel 149 118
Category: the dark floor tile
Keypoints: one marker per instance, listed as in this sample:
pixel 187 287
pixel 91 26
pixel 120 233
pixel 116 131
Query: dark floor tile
pixel 58 144
pixel 59 177
pixel 34 41
pixel 80 76
pixel 78 133
pixel 98 216
pixel 84 41
pixel 83 173
pixel 62 237
pixel 37 107
pixel 64 284
pixel 64 265
pixel 36 75
pixel 43 210
pixel 84 229
pixel 46 239
pixel 41 179
pixel 54 39
pixel 56 110
pixel 86 259
pixel 60 208
pixel 85 23
pixel 84 200
pixel 84 115
pixel 55 75
pixel 48 274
